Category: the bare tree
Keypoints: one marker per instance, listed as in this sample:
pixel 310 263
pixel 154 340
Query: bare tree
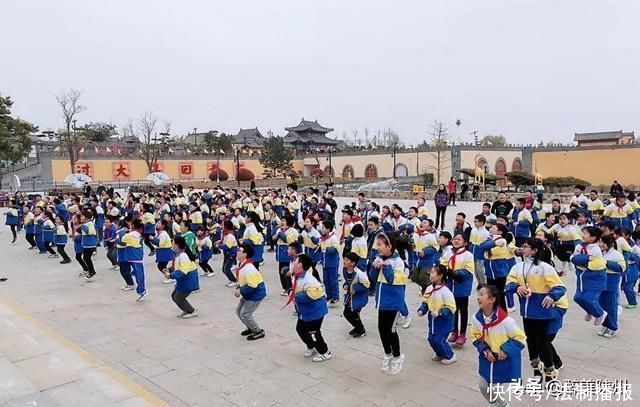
pixel 366 136
pixel 355 137
pixel 145 131
pixel 70 140
pixel 439 138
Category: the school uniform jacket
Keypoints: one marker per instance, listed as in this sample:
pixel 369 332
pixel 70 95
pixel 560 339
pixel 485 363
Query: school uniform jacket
pixel 252 236
pixel 498 332
pixel 620 216
pixel 133 246
pixel 359 282
pixel 496 258
pixel 330 246
pixel 229 245
pixel 250 282
pixel 522 220
pixel 359 247
pixel 439 300
pixel 89 237
pixel 205 249
pixel 476 237
pixel 285 236
pixel 615 267
pixel 61 236
pixel 461 267
pixel 164 251
pixel 591 274
pixel 12 217
pixel 310 298
pixel 185 272
pixel 427 244
pixel 391 280
pixel 543 280
pixel 149 223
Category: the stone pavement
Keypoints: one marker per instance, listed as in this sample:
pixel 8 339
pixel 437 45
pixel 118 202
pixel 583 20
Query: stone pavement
pixel 113 350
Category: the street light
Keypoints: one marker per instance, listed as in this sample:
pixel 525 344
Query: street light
pixel 395 150
pixel 330 150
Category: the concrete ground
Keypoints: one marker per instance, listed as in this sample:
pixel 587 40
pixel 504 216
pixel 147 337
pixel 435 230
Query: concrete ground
pixel 66 342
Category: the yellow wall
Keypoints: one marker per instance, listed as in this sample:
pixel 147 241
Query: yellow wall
pixel 424 161
pixel 599 167
pixel 467 159
pixel 103 169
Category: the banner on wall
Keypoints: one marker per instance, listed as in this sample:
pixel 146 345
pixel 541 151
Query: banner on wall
pixel 186 169
pixel 83 167
pixel 121 170
pixel 157 167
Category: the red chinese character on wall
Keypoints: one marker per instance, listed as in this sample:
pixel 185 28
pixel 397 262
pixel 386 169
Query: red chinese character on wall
pixel 121 170
pixel 156 167
pixel 186 169
pixel 83 168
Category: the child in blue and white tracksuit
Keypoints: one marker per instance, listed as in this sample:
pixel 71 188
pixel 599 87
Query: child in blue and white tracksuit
pixel 123 260
pixel 439 305
pixel 135 255
pixel 330 246
pixel 13 219
pixel 591 275
pixel 356 293
pixel 630 278
pixel 615 268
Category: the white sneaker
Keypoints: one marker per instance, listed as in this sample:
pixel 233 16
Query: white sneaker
pixel 599 320
pixel 211 274
pixel 619 309
pixel 400 320
pixel 407 322
pixel 127 288
pixel 230 284
pixel 168 281
pixel 602 331
pixel 115 267
pixel 396 365
pixel 192 315
pixel 181 315
pixel 323 357
pixel 609 334
pixel 386 363
pixel 283 293
pixel 436 358
pixel 453 359
pixel 142 296
pixel 310 352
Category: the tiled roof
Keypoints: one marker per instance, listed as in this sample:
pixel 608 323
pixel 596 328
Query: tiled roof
pixel 306 125
pixel 602 135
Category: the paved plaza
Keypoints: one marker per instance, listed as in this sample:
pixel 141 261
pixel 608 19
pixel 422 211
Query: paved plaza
pixel 67 342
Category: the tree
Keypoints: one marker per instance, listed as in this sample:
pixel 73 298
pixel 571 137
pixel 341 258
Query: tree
pixel 98 132
pixel 439 139
pixel 494 141
pixel 15 142
pixel 145 131
pixel 519 178
pixel 218 142
pixel 71 140
pixel 275 156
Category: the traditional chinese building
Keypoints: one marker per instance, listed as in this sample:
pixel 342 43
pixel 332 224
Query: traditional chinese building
pixel 309 135
pixel 604 138
pixel 251 138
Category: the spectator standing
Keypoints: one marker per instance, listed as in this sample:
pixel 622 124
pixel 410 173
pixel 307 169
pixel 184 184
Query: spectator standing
pixel 452 186
pixel 441 199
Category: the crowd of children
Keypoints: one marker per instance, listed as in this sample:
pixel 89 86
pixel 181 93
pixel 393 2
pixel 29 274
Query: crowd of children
pixel 374 251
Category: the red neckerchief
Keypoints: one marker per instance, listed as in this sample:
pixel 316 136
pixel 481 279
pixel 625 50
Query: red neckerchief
pixel 501 315
pixel 323 238
pixel 248 261
pixel 452 259
pixel 583 248
pixel 292 293
pixel 344 229
pixel 435 288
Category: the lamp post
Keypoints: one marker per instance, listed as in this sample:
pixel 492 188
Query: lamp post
pixel 395 149
pixel 417 162
pixel 330 150
pixel 238 165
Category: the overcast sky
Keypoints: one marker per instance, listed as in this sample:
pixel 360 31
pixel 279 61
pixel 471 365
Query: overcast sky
pixel 530 70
